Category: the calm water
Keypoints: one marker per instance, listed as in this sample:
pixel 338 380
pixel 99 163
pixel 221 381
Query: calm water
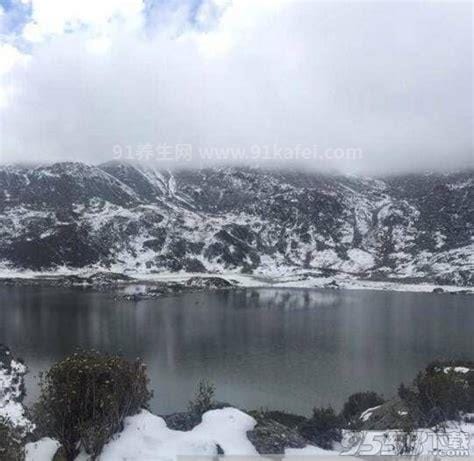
pixel 277 348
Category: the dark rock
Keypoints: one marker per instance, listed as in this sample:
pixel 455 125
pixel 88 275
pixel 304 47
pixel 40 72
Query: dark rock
pixel 184 421
pixel 390 415
pixel 187 420
pixel 271 437
pixel 60 455
pixel 287 419
pixel 193 265
pixel 208 282
pixel 332 284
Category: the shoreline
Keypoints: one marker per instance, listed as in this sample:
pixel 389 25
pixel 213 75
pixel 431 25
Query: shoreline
pixel 188 281
pixel 222 428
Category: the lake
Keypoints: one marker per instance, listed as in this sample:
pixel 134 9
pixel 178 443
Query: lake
pixel 289 349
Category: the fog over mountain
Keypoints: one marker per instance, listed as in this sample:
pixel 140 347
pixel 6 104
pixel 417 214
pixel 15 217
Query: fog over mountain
pixel 391 80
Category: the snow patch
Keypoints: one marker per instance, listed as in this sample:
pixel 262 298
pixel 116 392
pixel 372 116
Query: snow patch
pixel 463 370
pixel 365 416
pixel 42 450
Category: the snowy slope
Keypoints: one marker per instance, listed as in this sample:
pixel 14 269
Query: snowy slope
pixel 138 219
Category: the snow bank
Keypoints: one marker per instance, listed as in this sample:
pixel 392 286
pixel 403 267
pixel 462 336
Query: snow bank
pixel 146 437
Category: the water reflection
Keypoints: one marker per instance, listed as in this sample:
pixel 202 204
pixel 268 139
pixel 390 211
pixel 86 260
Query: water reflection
pixel 290 299
pixel 281 348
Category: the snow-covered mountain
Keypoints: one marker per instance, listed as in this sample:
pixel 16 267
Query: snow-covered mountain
pixel 133 218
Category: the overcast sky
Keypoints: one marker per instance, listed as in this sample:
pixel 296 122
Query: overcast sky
pixel 392 80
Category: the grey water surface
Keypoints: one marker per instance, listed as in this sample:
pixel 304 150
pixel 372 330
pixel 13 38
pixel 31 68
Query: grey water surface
pixel 289 349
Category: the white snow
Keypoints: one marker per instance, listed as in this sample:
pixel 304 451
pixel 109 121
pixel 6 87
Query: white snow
pixel 365 416
pixel 440 239
pixel 42 450
pixel 325 258
pixel 463 370
pixel 228 427
pixel 441 263
pixel 280 278
pixel 362 260
pixel 10 395
pixel 146 437
pixel 172 187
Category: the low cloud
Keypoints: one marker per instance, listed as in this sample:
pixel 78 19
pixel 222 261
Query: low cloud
pixel 393 80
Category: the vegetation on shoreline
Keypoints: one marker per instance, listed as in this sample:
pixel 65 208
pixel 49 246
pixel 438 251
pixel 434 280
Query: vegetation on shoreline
pixel 11 442
pixel 86 397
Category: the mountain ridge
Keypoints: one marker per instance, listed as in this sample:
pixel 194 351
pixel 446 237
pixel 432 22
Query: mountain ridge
pixel 137 218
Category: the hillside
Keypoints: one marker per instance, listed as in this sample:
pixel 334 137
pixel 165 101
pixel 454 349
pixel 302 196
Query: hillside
pixel 140 219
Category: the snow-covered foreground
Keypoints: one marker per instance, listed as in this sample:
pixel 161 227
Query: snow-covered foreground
pixel 146 435
pixel 147 438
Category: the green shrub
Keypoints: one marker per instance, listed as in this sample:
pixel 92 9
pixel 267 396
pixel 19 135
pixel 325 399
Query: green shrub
pixel 323 428
pixel 439 393
pixel 203 399
pixel 11 447
pixel 359 402
pixel 85 398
